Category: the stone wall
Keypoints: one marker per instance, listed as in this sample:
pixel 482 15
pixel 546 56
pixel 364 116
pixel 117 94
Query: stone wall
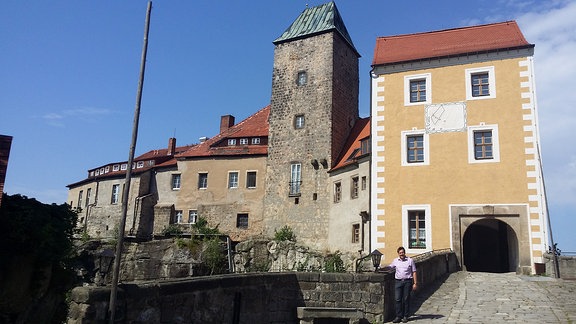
pixel 251 297
pixel 567 265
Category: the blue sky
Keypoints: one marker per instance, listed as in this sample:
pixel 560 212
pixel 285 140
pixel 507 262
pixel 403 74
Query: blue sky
pixel 69 75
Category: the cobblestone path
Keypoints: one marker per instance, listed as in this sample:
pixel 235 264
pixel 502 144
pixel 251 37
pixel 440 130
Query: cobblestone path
pixel 479 297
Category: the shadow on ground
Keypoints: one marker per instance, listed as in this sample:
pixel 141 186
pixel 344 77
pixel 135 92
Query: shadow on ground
pixel 420 296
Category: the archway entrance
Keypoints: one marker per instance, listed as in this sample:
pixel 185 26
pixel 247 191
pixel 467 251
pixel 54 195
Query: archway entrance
pixel 490 245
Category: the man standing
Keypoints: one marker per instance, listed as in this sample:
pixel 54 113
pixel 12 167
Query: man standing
pixel 406 281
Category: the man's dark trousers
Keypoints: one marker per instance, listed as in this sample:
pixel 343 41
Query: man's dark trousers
pixel 402 291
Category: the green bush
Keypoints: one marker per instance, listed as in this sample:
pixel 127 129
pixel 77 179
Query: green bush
pixel 284 234
pixel 334 263
pixel 201 227
pixel 172 230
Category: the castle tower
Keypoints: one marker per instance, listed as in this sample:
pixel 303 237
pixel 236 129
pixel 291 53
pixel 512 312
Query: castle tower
pixel 314 105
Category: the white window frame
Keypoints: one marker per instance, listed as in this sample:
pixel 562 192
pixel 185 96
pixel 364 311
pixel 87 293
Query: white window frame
pixel 140 164
pixel 495 143
pixel 178 217
pixel 124 167
pixel 243 141
pixel 299 121
pixel 203 186
pixel 115 198
pixel 407 79
pixel 405 226
pixel 107 169
pixel 192 216
pixel 404 149
pixel 295 179
pixel 231 141
pixel 491 81
pixel 116 167
pixel 176 185
pixel 233 183
pixel 256 140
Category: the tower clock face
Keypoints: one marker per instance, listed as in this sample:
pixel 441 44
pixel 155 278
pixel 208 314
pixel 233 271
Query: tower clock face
pixel 446 117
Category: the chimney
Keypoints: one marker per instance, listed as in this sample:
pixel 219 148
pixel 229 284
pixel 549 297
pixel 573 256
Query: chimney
pixel 226 122
pixel 171 146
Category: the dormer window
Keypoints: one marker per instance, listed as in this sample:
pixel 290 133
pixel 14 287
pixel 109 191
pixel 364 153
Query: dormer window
pixel 140 164
pixel 231 141
pixel 243 141
pixel 302 78
pixel 256 140
pixel 115 167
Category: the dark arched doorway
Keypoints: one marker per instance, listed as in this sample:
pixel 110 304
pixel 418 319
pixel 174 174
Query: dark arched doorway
pixel 490 245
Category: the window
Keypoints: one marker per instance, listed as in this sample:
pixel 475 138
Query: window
pixel 178 217
pixel 115 194
pixel 256 140
pixel 107 169
pixel 80 198
pixel 483 144
pixel 295 179
pixel 302 78
pixel 415 148
pixel 365 146
pixel 299 121
pixel 251 179
pixel 115 167
pixel 243 141
pixel 480 83
pixel 202 180
pixel 416 227
pixel 231 141
pixel 233 179
pixel 354 188
pixel 192 216
pixel 417 89
pixel 176 180
pixel 97 172
pixel 124 166
pixel 364 183
pixel 337 192
pixel 242 221
pixel 356 233
pixel 140 164
pixel 88 196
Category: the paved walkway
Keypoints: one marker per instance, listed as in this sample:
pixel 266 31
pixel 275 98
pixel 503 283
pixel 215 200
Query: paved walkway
pixel 478 297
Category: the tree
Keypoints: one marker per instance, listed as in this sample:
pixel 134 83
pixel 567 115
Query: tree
pixel 36 247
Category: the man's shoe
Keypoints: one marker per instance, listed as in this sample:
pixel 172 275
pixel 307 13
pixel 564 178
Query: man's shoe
pixel 396 320
pixel 405 320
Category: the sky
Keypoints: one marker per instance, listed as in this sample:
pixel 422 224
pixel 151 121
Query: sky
pixel 69 76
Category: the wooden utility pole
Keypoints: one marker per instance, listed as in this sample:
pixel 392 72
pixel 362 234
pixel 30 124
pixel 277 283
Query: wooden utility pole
pixel 126 193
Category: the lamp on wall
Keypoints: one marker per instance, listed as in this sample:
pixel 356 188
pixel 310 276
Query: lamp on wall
pixel 376 258
pixel 105 259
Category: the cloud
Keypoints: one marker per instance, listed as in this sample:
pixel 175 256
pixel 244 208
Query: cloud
pixel 57 119
pixel 551 28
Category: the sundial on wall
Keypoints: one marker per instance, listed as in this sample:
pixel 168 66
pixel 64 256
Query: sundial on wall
pixel 446 117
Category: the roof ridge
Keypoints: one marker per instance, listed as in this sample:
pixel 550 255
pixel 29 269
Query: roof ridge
pixel 438 31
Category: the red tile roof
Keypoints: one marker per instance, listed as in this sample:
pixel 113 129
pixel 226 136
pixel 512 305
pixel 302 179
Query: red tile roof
pixel 351 153
pixel 253 126
pixel 449 42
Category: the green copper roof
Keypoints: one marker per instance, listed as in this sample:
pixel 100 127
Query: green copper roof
pixel 311 21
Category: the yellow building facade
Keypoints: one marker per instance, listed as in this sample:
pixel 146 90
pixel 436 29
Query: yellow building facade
pixel 455 156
